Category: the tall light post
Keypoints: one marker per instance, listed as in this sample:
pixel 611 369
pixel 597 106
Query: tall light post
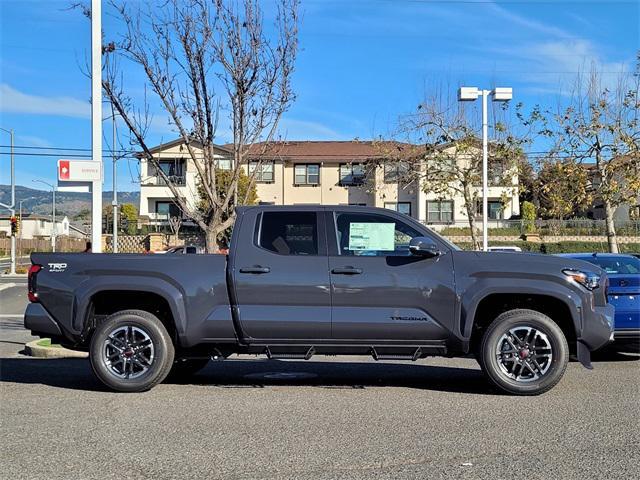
pixel 12 207
pixel 54 229
pixel 499 94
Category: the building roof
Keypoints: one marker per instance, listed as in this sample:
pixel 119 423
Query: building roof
pixel 180 141
pixel 317 150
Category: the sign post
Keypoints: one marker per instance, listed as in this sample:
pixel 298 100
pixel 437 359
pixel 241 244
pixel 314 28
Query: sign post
pixel 96 123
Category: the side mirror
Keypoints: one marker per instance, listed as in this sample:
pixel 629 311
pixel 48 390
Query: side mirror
pixel 424 247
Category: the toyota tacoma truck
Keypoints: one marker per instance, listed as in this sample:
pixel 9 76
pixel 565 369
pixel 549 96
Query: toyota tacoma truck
pixel 320 280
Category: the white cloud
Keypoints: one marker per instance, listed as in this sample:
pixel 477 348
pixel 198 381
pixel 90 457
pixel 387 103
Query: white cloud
pixel 32 141
pixel 14 101
pixel 292 129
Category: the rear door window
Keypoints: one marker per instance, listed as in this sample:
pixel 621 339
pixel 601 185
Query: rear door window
pixel 289 233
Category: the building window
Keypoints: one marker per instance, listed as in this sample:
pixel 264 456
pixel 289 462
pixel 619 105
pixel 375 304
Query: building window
pixel 352 174
pixel 167 210
pixel 289 233
pixel 174 170
pixel 395 172
pixel 497 174
pixel 495 209
pixel 307 174
pixel 401 207
pixel 440 211
pixel 223 163
pixel 264 173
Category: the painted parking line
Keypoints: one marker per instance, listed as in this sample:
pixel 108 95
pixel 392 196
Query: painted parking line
pixel 4 286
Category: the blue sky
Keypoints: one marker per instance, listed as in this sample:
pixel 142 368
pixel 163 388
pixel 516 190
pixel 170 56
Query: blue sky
pixel 362 64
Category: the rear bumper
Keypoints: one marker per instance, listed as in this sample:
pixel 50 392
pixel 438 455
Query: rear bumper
pixel 38 320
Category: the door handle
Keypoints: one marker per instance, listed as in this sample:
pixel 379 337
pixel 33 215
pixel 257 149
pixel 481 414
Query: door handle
pixel 257 269
pixel 347 271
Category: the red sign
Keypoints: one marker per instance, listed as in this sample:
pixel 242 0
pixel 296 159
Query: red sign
pixel 63 169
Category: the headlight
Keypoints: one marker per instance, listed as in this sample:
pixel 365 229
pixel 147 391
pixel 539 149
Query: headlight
pixel 588 280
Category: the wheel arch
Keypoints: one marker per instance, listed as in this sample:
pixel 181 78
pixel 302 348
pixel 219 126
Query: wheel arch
pixel 112 295
pixel 561 305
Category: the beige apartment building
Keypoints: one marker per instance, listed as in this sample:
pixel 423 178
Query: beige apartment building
pixel 319 173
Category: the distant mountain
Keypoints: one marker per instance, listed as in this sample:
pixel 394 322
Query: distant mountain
pixel 67 203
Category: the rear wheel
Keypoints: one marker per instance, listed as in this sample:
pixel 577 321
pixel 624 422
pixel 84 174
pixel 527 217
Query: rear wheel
pixel 524 352
pixel 131 351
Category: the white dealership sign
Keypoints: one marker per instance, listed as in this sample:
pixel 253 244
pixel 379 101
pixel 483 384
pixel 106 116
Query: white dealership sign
pixel 79 171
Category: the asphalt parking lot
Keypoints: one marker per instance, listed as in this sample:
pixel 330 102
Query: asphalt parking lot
pixel 326 418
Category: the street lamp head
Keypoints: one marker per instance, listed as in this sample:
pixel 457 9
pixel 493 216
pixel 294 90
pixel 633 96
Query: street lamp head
pixel 468 94
pixel 502 94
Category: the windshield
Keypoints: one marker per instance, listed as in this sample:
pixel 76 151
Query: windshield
pixel 616 265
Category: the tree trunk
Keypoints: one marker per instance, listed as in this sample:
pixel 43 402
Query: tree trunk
pixel 611 228
pixel 472 229
pixel 211 239
pixel 471 214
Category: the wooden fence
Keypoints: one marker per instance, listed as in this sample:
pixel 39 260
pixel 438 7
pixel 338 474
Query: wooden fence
pixel 26 246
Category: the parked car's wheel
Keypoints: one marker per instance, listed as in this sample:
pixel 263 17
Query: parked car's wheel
pixel 184 368
pixel 131 351
pixel 524 352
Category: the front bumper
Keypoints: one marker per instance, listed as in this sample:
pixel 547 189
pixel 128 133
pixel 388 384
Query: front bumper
pixel 38 320
pixel 597 327
pixel 626 334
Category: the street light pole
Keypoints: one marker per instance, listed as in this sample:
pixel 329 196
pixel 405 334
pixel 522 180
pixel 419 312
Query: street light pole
pixel 485 171
pixel 12 207
pixel 500 94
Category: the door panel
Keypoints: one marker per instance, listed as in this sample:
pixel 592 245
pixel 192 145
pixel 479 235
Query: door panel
pixel 281 276
pixel 395 296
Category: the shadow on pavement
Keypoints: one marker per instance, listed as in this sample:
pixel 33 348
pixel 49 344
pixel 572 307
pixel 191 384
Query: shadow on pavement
pixel 618 352
pixel 76 374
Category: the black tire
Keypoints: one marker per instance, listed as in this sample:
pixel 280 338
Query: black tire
pixel 539 371
pixel 155 359
pixel 184 368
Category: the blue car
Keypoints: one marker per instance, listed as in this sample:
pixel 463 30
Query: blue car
pixel 624 289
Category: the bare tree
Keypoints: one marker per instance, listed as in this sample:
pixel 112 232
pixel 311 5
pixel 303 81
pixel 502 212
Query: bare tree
pixel 202 59
pixel 600 127
pixel 449 162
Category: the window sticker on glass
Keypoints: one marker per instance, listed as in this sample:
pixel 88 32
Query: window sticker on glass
pixel 371 236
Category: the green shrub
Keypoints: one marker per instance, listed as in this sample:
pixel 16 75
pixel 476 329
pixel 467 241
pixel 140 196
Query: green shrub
pixel 528 217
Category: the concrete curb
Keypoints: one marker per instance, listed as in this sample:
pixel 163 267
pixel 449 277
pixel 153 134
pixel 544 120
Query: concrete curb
pixel 35 350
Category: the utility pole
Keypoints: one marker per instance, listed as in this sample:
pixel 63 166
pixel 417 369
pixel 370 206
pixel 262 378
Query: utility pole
pixel 96 122
pixel 12 207
pixel 115 182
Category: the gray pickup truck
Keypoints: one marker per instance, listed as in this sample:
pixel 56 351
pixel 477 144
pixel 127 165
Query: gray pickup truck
pixel 315 280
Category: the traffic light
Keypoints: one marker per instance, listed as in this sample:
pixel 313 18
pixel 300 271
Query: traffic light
pixel 15 226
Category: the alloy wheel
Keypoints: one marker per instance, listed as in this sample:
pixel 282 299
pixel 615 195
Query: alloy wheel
pixel 128 352
pixel 524 354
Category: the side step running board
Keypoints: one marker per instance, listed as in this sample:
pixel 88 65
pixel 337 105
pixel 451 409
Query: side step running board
pixel 381 356
pixel 290 356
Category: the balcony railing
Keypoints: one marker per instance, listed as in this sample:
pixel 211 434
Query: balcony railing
pixel 178 180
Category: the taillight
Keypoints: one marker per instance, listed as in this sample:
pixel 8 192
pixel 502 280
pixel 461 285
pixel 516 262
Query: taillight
pixel 31 282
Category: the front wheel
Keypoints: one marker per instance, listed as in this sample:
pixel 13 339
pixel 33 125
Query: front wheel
pixel 131 351
pixel 524 352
